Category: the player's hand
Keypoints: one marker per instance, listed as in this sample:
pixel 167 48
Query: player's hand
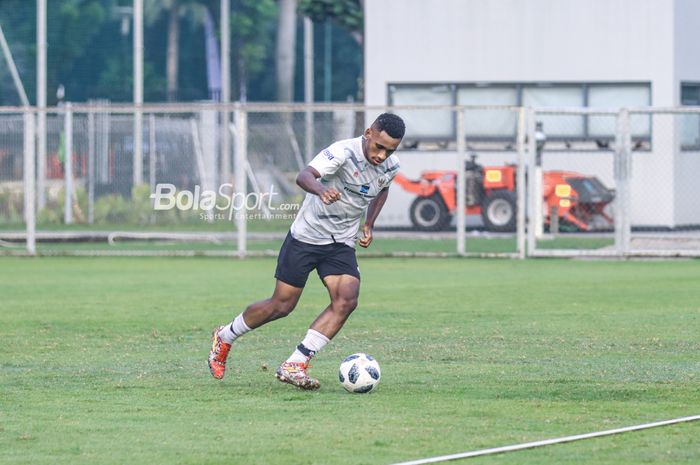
pixel 329 196
pixel 366 239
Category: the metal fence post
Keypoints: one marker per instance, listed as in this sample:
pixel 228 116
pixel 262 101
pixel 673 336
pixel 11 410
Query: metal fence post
pixel 68 165
pixel 622 168
pixel 91 168
pixel 152 158
pixel 29 180
pixel 225 161
pixel 138 92
pixel 521 188
pixel 627 225
pixel 532 194
pixel 240 188
pixel 308 88
pixel 41 77
pixel 41 159
pixel 461 182
pixel 225 173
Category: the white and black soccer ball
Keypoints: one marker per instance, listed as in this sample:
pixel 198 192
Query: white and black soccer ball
pixel 359 373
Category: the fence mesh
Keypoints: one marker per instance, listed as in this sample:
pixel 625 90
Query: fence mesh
pixel 645 159
pixel 573 182
pixel 221 179
pixel 663 207
pixel 12 187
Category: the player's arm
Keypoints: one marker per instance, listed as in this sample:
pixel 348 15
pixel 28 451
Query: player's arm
pixel 373 210
pixel 307 179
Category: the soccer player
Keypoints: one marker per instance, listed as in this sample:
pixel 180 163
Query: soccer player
pixel 346 181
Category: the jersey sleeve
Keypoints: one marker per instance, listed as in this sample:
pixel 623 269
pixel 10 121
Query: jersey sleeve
pixel 328 161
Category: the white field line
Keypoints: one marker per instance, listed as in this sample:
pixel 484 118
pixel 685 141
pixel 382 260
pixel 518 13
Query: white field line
pixel 547 442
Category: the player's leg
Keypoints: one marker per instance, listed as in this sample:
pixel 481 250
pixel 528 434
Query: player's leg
pixel 340 274
pixel 294 264
pixel 280 304
pixel 284 299
pixel 343 290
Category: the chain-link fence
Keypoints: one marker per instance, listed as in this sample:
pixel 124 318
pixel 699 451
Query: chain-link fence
pixel 664 214
pixel 616 183
pixel 220 180
pixel 17 178
pixel 573 182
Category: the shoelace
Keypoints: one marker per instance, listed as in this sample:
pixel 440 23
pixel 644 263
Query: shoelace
pixel 296 367
pixel 221 351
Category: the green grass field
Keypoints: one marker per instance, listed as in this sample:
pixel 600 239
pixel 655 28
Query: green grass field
pixel 103 360
pixel 474 245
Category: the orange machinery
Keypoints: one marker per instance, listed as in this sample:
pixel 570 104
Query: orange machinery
pixel 578 200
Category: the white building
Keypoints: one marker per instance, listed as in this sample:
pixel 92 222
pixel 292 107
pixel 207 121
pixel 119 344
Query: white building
pixel 562 53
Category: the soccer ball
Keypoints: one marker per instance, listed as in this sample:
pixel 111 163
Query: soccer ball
pixel 359 373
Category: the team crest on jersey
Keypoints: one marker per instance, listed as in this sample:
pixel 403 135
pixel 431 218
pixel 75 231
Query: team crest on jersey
pixel 382 180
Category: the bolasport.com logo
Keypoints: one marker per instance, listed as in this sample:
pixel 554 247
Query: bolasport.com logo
pixel 224 203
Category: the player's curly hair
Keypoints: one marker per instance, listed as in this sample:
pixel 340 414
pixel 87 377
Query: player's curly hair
pixel 390 123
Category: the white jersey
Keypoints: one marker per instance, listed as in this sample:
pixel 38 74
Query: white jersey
pixel 344 167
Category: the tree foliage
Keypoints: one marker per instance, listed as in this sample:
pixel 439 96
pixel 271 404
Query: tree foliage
pixel 252 30
pixel 345 13
pixel 91 55
pixel 71 29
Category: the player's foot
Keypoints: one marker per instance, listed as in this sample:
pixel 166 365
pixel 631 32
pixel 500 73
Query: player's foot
pixel 218 354
pixel 295 374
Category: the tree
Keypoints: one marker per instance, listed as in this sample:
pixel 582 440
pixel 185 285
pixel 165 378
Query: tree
pixel 75 26
pixel 172 53
pixel 252 26
pixel 72 27
pixel 193 9
pixel 348 14
pixel 286 47
pixel 17 32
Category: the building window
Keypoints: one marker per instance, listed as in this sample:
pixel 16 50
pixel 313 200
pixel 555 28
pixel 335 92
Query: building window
pixel 499 124
pixel 690 94
pixel 690 123
pixel 611 96
pixel 425 124
pixel 565 126
pixel 489 123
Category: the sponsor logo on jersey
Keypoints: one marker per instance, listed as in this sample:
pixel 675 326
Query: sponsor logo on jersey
pixel 328 154
pixel 364 189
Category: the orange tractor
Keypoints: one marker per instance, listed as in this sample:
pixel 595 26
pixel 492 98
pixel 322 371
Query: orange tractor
pixel 579 200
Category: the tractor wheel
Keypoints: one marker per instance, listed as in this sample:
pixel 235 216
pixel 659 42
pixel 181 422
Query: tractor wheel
pixel 429 214
pixel 498 211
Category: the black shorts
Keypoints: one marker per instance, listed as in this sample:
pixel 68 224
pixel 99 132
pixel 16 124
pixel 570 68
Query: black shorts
pixel 297 259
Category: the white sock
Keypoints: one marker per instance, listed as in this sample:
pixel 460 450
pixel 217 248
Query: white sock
pixel 312 343
pixel 236 329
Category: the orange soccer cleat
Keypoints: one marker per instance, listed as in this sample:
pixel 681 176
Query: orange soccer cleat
pixel 218 354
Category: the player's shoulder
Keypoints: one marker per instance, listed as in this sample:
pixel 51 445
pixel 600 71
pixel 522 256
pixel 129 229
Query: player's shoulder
pixel 392 164
pixel 342 149
pixel 345 145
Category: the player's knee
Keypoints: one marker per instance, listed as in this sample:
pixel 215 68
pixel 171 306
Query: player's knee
pixel 345 304
pixel 283 308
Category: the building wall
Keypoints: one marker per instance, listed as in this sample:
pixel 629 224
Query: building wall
pixel 515 40
pixel 687 22
pixel 687 68
pixel 467 41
